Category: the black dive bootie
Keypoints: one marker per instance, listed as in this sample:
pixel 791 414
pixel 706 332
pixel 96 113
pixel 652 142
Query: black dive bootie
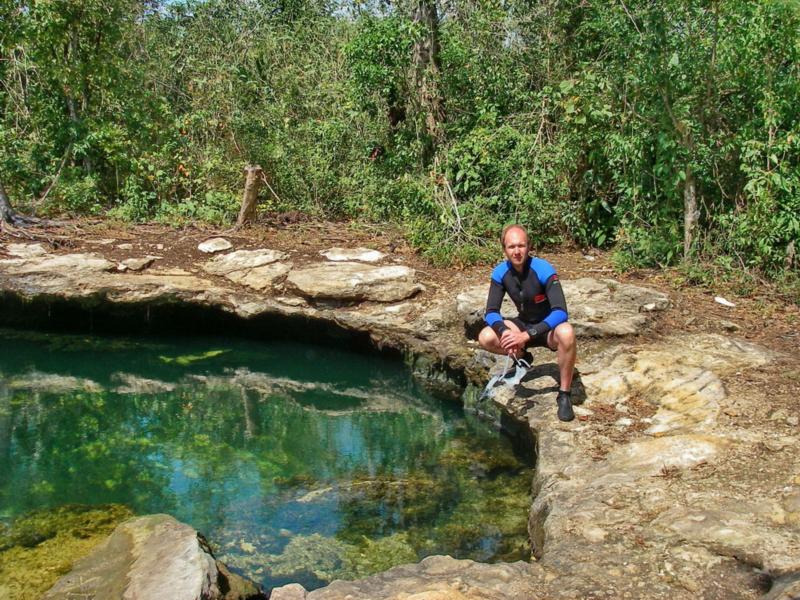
pixel 565 412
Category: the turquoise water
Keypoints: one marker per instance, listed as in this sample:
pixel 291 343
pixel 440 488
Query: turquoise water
pixel 299 463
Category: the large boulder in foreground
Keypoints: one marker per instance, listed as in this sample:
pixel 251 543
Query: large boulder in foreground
pixel 152 558
pixel 354 282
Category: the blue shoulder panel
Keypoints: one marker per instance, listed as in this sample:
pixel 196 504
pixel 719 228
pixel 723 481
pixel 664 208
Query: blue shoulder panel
pixel 544 270
pixel 500 271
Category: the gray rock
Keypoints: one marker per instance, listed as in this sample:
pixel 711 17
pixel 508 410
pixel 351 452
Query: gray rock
pixel 441 578
pixel 293 591
pixel 25 250
pixel 72 265
pixel 257 269
pixel 785 588
pixel 353 254
pixel 153 558
pixel 350 282
pixel 471 306
pixel 213 245
pixel 603 308
pixel 729 326
pixel 136 264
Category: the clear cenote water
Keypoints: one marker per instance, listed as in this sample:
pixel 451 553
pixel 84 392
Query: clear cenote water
pixel 299 463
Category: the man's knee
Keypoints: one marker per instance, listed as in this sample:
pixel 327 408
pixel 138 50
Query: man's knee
pixel 487 337
pixel 565 336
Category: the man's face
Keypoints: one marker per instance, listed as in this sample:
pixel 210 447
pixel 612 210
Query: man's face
pixel 516 247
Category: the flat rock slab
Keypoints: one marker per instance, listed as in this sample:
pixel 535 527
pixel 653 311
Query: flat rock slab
pixel 25 250
pixel 353 254
pixel 257 269
pixel 55 264
pixel 147 558
pixel 353 282
pixel 213 245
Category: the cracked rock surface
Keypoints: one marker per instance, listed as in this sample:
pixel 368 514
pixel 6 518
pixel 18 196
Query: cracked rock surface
pixel 674 481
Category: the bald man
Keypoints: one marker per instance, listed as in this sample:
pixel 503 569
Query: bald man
pixel 532 284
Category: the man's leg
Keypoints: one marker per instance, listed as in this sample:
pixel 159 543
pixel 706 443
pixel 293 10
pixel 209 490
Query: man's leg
pixel 562 341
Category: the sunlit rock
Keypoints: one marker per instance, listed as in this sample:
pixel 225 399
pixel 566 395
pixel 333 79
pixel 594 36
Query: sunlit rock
pixel 39 547
pixel 347 281
pixel 741 529
pixel 213 245
pixel 353 254
pixel 25 250
pixel 153 557
pixel 257 269
pixel 73 264
pixel 136 264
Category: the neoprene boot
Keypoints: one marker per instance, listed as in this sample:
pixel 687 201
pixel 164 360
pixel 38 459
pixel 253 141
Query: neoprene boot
pixel 564 401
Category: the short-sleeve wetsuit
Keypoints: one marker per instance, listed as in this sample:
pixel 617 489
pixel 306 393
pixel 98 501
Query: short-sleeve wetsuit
pixel 537 294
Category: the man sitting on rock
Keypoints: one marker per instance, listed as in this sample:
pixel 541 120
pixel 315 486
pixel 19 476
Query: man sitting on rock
pixel 533 286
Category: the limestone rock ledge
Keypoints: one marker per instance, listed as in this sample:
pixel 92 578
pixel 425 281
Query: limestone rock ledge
pixel 434 578
pixel 652 492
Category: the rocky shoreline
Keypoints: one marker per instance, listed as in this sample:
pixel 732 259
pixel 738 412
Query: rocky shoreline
pixel 657 489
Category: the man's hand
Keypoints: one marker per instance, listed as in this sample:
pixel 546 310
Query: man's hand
pixel 514 341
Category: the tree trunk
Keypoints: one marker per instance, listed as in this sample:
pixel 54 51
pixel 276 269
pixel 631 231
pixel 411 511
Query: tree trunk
pixel 427 71
pixel 254 175
pixel 690 212
pixel 6 212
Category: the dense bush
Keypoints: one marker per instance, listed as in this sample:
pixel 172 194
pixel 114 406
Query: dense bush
pixel 590 122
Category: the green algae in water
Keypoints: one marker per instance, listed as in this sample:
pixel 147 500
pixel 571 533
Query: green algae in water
pixel 39 547
pixel 299 463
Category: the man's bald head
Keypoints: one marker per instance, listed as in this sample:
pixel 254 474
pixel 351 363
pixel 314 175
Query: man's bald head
pixel 512 227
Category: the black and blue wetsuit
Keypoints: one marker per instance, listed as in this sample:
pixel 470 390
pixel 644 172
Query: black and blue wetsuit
pixel 537 294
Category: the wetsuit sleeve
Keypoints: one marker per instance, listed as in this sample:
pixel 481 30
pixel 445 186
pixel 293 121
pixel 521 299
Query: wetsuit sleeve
pixel 493 317
pixel 555 296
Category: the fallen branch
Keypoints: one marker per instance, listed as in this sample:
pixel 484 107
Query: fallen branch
pixel 57 176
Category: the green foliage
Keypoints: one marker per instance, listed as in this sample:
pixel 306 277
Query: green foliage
pixel 379 56
pixel 589 122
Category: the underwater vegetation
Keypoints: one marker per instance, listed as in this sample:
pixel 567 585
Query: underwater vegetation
pixel 41 546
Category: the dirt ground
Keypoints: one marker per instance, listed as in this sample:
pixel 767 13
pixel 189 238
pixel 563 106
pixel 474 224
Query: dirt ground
pixel 763 317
